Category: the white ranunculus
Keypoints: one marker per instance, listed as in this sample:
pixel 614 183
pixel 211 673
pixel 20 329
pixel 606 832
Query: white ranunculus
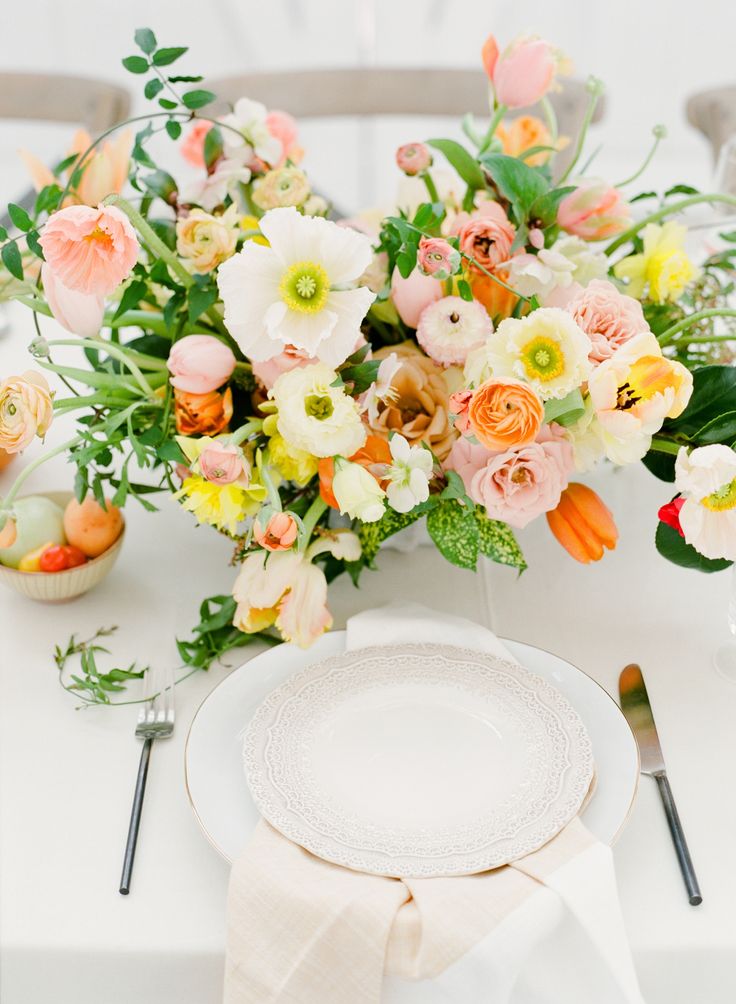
pixel 357 492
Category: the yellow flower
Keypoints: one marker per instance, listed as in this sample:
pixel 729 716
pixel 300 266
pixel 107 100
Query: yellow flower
pixel 663 265
pixel 284 186
pixel 222 506
pixel 205 241
pixel 292 463
pixel 250 224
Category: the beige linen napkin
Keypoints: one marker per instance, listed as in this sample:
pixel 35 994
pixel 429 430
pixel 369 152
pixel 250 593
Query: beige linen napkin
pixel 304 931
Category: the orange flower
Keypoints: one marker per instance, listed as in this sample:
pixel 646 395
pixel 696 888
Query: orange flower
pixel 374 451
pixel 524 132
pixel 582 524
pixel 203 414
pixel 278 534
pixel 497 300
pixel 505 414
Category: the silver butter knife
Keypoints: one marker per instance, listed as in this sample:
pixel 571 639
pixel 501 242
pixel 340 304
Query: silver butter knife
pixel 638 711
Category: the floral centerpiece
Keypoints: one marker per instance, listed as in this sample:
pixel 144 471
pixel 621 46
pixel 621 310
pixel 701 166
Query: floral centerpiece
pixel 309 387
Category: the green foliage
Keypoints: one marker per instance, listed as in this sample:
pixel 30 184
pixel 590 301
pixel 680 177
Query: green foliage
pixel 90 684
pixel 145 40
pixel 165 57
pixel 520 184
pixel 372 535
pixel 464 163
pixel 215 635
pixel 566 410
pixel 197 99
pixel 714 395
pixel 12 259
pixel 672 546
pixel 20 217
pixel 454 530
pixel 496 541
pixel 136 64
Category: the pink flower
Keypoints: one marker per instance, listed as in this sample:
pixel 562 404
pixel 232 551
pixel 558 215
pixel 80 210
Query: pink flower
pixel 594 211
pixel 80 313
pixel 413 294
pixel 413 158
pixel 192 146
pixel 200 363
pixel 279 533
pixel 224 464
pixel 282 127
pixel 26 410
pixel 487 236
pixel 437 258
pixel 608 317
pixel 90 250
pixel 524 72
pixel 268 371
pixel 451 328
pixel 459 406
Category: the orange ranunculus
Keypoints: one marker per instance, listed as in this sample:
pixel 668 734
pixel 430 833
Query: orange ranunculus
pixel 374 451
pixel 582 524
pixel 505 414
pixel 497 300
pixel 524 132
pixel 202 414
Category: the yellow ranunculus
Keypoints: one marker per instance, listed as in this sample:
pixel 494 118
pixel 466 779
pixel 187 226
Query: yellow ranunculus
pixel 205 241
pixel 292 463
pixel 663 266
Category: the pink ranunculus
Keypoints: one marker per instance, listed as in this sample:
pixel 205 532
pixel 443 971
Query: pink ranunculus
pixel 90 250
pixel 224 464
pixel 268 371
pixel 608 318
pixel 459 405
pixel 487 236
pixel 413 158
pixel 437 258
pixel 80 313
pixel 278 534
pixel 411 295
pixel 192 146
pixel 200 363
pixel 282 127
pixel 523 73
pixel 595 211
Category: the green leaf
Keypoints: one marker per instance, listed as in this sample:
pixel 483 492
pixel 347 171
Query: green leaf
pixel 681 190
pixel 200 300
pixel 198 99
pixel 20 217
pixel 674 547
pixel 12 259
pixel 160 183
pixel 145 40
pixel 173 129
pixel 565 411
pixel 171 451
pixel 167 104
pixel 372 535
pixel 516 181
pixel 81 484
pixel 185 79
pixel 3 234
pixel 463 162
pixel 165 230
pixel 455 488
pixel 34 245
pixel 463 288
pixel 212 146
pixel 131 297
pixel 661 465
pixel 136 64
pixel 544 209
pixel 497 541
pixel 714 394
pixel 721 429
pixel 362 375
pixel 153 87
pixel 164 57
pixel 454 530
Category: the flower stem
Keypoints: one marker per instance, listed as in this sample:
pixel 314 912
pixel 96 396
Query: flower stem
pixel 551 117
pixel 151 238
pixel 495 122
pixel 10 497
pixel 667 336
pixel 241 434
pixel 430 186
pixel 311 518
pixel 670 210
pixel 100 345
pixel 659 134
pixel 661 445
pixel 595 89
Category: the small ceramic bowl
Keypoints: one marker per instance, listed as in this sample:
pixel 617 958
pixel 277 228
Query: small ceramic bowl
pixel 55 587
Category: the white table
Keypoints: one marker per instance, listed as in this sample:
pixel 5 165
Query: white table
pixel 67 776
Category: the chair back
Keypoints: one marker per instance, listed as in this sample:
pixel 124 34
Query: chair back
pixel 713 112
pixel 56 97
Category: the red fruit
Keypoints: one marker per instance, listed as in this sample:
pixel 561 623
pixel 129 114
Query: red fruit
pixel 54 559
pixel 74 556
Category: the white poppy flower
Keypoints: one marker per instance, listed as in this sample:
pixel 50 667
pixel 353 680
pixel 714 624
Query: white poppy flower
pixel 408 475
pixel 707 479
pixel 296 292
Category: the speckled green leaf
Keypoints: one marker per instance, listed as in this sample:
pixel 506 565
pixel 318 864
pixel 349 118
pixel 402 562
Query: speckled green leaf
pixel 454 530
pixel 372 535
pixel 497 541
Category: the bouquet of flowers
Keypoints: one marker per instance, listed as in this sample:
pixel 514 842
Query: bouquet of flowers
pixel 309 387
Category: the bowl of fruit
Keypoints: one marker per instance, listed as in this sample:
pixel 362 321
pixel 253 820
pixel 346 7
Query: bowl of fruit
pixel 56 548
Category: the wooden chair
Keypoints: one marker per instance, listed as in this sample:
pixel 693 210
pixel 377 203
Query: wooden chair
pixel 713 113
pixel 391 91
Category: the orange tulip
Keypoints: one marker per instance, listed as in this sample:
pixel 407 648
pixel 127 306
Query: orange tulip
pixel 497 300
pixel 374 451
pixel 202 414
pixel 582 524
pixel 105 169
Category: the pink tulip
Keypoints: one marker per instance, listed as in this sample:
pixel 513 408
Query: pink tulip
pixel 80 313
pixel 523 73
pixel 200 364
pixel 413 294
pixel 90 250
pixel 224 464
pixel 413 158
pixel 595 211
pixel 278 534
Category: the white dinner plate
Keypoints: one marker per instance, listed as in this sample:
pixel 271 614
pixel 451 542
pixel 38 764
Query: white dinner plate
pixel 418 760
pixel 216 782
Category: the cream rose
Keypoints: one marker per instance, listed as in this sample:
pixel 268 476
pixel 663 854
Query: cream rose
pixel 25 410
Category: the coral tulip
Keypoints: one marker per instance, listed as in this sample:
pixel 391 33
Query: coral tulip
pixel 583 524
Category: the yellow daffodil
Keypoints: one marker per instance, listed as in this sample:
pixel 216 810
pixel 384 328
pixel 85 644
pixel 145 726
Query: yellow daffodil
pixel 663 267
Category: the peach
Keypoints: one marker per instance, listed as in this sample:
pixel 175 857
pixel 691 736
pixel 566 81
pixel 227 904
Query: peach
pixel 90 527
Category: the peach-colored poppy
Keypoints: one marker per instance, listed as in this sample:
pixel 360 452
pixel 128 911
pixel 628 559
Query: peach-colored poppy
pixel 505 414
pixel 80 313
pixel 203 414
pixel 90 250
pixel 583 524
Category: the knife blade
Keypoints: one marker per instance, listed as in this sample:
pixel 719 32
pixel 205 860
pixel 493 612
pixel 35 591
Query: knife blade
pixel 638 712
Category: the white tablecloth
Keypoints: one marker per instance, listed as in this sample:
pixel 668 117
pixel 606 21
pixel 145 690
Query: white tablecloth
pixel 67 936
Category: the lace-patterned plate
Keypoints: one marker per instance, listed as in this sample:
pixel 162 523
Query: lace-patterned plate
pixel 417 760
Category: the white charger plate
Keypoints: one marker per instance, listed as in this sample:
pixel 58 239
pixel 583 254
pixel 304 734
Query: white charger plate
pixel 217 786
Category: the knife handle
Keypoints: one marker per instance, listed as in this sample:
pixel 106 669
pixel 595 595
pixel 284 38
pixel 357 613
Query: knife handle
pixel 678 838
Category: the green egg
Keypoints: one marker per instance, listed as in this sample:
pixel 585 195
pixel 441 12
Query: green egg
pixel 37 520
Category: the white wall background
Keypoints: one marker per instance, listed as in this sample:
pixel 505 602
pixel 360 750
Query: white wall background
pixel 651 53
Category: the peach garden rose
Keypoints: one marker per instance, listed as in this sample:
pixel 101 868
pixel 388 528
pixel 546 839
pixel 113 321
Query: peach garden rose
pixel 26 410
pixel 505 414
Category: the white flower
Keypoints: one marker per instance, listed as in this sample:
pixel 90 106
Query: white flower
pixel 381 390
pixel 245 132
pixel 477 368
pixel 314 416
pixel 357 492
pixel 450 328
pixel 210 192
pixel 546 349
pixel 587 263
pixel 707 479
pixel 297 291
pixel 591 443
pixel 408 475
pixel 342 544
pixel 539 274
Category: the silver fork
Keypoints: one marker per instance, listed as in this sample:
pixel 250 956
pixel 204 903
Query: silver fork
pixel 155 721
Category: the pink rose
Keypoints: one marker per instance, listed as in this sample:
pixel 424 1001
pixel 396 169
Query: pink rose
pixel 459 406
pixel 224 464
pixel 80 313
pixel 595 211
pixel 200 363
pixel 90 250
pixel 282 127
pixel 437 258
pixel 268 371
pixel 487 236
pixel 413 294
pixel 523 73
pixel 608 317
pixel 413 158
pixel 278 534
pixel 192 146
